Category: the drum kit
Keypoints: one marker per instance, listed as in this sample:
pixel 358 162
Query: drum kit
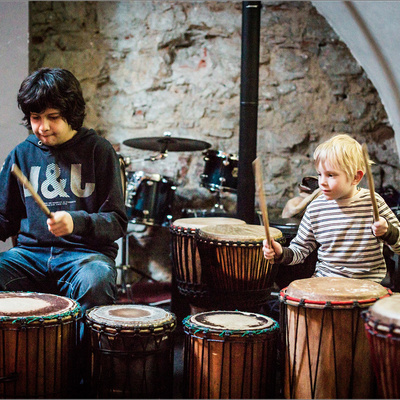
pixel 149 197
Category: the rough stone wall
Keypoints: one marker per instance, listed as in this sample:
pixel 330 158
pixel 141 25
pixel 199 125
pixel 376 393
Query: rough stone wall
pixel 147 67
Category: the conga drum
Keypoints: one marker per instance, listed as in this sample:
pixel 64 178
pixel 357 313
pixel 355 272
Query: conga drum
pixel 38 343
pixel 326 349
pixel 230 354
pixel 234 265
pixel 382 324
pixel 131 351
pixel 186 261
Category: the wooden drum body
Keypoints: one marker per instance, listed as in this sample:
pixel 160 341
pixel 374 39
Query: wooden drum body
pixel 185 256
pixel 238 274
pixel 230 354
pixel 326 349
pixel 38 339
pixel 132 351
pixel 382 323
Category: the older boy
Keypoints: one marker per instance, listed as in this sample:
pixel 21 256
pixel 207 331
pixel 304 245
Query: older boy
pixel 77 174
pixel 340 221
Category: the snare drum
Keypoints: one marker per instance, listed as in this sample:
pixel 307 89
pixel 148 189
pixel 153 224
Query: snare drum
pixel 230 354
pixel 234 264
pixel 132 351
pixel 327 353
pixel 185 256
pixel 149 198
pixel 382 324
pixel 38 339
pixel 220 171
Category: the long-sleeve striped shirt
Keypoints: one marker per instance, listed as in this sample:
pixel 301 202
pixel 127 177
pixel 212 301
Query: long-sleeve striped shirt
pixel 342 230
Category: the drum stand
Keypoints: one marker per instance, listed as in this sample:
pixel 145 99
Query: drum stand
pixel 125 266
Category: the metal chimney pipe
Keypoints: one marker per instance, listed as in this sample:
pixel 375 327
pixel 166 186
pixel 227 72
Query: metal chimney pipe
pixel 251 11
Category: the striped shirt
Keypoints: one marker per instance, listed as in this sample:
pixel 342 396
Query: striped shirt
pixel 342 230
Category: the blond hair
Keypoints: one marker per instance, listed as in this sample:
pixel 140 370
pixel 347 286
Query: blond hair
pixel 342 152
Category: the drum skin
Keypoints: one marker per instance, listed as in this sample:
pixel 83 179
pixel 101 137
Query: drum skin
pixel 230 354
pixel 326 349
pixel 234 265
pixel 382 324
pixel 38 338
pixel 185 256
pixel 132 351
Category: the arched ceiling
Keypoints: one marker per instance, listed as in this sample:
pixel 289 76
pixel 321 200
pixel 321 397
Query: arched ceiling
pixel 370 29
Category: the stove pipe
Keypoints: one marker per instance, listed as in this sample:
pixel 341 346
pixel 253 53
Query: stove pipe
pixel 251 11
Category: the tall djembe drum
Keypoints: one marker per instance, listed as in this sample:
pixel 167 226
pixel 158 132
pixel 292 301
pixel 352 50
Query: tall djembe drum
pixel 38 345
pixel 238 275
pixel 131 351
pixel 188 271
pixel 382 324
pixel 326 349
pixel 230 354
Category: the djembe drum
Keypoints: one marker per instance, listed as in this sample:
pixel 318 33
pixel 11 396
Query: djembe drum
pixel 234 265
pixel 230 354
pixel 326 349
pixel 186 261
pixel 382 324
pixel 132 351
pixel 38 339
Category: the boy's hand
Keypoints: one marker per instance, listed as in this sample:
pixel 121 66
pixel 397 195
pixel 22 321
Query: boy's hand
pixel 60 223
pixel 272 252
pixel 380 227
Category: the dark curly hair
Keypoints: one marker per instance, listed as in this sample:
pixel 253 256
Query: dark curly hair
pixel 52 88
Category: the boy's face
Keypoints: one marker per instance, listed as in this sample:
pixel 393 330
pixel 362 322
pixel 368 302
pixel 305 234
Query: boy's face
pixel 50 128
pixel 334 182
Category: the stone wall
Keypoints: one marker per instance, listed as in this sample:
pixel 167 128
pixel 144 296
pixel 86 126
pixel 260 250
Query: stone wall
pixel 148 67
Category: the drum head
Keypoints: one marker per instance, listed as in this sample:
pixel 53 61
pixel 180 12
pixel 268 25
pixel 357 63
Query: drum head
pixel 130 316
pixel 230 321
pixel 386 311
pixel 22 305
pixel 201 222
pixel 326 289
pixel 234 233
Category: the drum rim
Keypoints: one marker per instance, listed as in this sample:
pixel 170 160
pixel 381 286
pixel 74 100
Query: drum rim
pixel 375 326
pixel 190 326
pixel 220 153
pixel 322 304
pixel 73 312
pixel 146 326
pixel 206 237
pixel 235 221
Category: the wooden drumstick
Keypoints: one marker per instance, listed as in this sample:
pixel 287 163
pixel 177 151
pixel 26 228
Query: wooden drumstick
pixel 261 198
pixel 370 182
pixel 24 180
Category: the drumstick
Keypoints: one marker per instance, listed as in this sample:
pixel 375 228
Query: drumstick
pixel 263 204
pixel 370 182
pixel 23 179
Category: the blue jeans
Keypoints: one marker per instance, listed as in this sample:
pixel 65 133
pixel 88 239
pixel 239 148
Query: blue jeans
pixel 86 276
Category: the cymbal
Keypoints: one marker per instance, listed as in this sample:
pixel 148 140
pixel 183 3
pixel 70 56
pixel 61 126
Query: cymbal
pixel 166 143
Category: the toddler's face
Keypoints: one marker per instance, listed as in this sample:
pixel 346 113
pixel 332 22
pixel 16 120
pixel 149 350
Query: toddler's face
pixel 334 182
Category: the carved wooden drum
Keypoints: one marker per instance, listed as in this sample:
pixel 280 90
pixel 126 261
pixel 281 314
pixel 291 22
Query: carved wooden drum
pixel 230 354
pixel 38 343
pixel 238 274
pixel 186 261
pixel 382 324
pixel 132 351
pixel 326 348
